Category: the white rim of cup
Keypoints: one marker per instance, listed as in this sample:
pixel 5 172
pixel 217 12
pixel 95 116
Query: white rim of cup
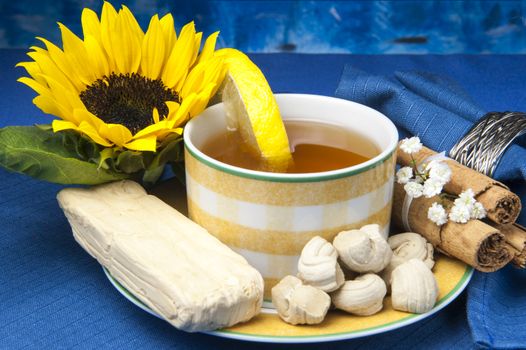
pixel 294 177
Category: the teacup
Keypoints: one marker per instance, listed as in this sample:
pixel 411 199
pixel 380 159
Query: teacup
pixel 269 217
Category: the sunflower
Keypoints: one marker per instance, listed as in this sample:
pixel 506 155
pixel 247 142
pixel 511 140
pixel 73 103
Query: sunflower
pixel 121 87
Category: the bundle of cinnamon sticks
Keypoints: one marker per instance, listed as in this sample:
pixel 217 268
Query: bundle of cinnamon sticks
pixel 486 245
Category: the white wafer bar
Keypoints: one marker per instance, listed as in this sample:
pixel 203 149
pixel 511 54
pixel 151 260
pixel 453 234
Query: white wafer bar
pixel 166 260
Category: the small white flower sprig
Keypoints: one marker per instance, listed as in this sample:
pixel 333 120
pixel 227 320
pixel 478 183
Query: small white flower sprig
pixel 428 179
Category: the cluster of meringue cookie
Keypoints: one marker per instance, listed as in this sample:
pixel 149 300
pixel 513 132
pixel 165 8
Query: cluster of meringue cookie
pixel 355 273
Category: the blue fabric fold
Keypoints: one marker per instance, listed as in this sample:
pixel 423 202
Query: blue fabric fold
pixel 437 110
pixel 441 91
pixel 496 308
pixel 431 107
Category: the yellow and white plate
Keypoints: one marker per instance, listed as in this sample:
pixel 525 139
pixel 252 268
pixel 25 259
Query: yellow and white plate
pixel 452 277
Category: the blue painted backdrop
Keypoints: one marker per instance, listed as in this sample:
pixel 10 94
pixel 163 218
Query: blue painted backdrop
pixel 304 26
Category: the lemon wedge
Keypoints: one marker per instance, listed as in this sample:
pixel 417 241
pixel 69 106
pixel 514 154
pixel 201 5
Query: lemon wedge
pixel 252 110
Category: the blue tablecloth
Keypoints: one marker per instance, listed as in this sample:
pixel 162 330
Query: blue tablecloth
pixel 53 295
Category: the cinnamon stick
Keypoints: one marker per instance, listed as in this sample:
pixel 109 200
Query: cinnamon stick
pixel 475 243
pixel 515 235
pixel 502 206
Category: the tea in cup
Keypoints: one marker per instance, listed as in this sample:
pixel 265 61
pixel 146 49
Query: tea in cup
pixel 342 178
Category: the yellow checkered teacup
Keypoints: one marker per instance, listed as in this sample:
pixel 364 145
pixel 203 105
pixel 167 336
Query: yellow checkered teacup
pixel 269 217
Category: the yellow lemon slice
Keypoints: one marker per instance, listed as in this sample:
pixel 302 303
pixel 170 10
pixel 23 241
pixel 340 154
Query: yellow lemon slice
pixel 252 110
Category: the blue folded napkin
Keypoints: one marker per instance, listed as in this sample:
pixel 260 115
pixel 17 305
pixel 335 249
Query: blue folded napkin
pixel 438 111
pixel 433 108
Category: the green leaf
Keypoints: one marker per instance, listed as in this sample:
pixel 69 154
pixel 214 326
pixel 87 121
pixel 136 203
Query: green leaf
pixel 41 154
pixel 130 162
pixel 85 148
pixel 105 154
pixel 45 127
pixel 150 176
pixel 88 149
pixel 170 150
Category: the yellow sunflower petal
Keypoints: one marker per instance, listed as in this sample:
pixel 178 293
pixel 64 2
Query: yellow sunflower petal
pixel 59 125
pixel 83 114
pixel 135 37
pixel 40 88
pixel 161 135
pixel 172 108
pixel 178 63
pixel 202 100
pixel 49 67
pixel 48 105
pixel 201 75
pixel 38 49
pixel 107 27
pixel 132 23
pixel 113 132
pixel 117 133
pixel 169 34
pixel 76 55
pixel 33 69
pixel 58 57
pixel 98 60
pixel 108 14
pixel 215 73
pixel 153 129
pixel 126 45
pixel 84 127
pixel 194 80
pixel 143 144
pixel 194 50
pixel 197 46
pixel 90 24
pixel 155 115
pixel 160 128
pixel 70 100
pixel 46 100
pixel 93 134
pixel 153 50
pixel 117 38
pixel 183 112
pixel 208 48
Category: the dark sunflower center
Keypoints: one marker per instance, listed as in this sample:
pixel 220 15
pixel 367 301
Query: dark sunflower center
pixel 128 99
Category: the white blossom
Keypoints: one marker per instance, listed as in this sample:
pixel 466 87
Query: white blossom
pixel 431 164
pixel 460 213
pixel 478 211
pixel 411 145
pixel 467 194
pixel 466 198
pixel 413 189
pixel 437 214
pixel 432 187
pixel 420 179
pixel 404 175
pixel 420 173
pixel 439 171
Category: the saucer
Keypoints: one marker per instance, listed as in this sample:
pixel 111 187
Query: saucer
pixel 452 278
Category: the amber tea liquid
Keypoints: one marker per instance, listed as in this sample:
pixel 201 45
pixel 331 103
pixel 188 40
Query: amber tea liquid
pixel 315 146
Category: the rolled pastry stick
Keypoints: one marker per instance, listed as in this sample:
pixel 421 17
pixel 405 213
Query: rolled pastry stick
pixel 170 263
